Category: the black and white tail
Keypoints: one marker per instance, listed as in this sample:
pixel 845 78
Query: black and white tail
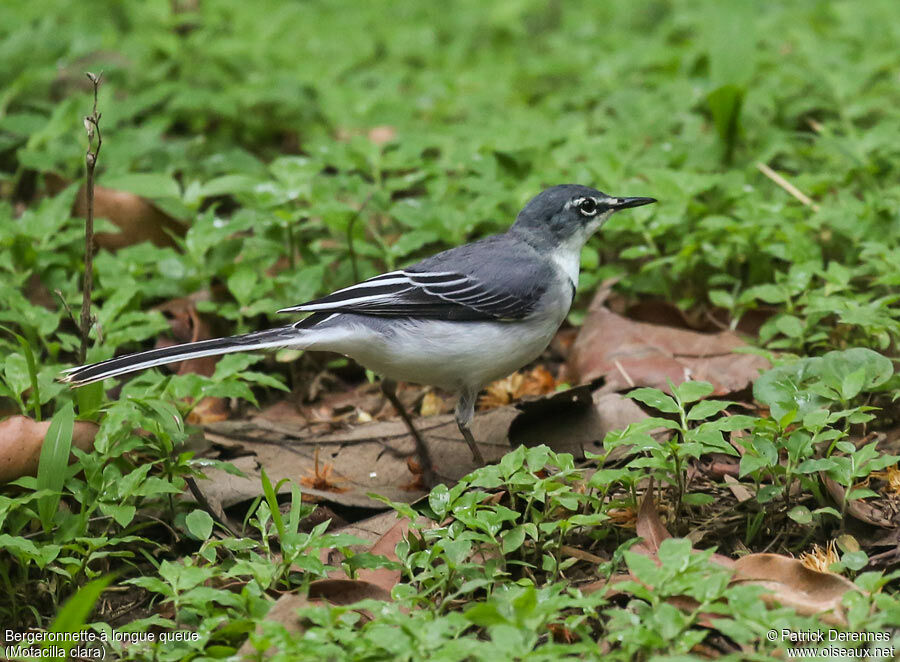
pixel 95 372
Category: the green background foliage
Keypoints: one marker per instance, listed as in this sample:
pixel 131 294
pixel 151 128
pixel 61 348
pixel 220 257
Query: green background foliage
pixel 305 145
pixel 267 106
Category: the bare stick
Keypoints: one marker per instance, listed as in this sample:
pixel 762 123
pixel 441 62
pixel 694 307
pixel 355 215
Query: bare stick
pixel 787 186
pixel 92 126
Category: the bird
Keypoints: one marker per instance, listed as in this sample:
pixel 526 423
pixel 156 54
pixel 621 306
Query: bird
pixel 457 320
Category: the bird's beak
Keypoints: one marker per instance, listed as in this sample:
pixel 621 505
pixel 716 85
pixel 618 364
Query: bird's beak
pixel 626 203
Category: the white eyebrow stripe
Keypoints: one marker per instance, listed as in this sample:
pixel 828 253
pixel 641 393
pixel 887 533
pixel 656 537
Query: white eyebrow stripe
pixel 577 201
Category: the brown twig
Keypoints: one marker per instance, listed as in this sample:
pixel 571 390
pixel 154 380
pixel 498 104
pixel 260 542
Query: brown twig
pixel 92 126
pixel 65 304
pixel 787 186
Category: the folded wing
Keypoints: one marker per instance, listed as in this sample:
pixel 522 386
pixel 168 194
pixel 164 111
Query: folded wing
pixel 494 289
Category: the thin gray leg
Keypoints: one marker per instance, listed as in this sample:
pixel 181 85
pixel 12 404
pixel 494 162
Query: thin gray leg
pixel 465 410
pixel 389 388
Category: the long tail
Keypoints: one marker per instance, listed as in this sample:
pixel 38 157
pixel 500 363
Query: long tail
pixel 86 374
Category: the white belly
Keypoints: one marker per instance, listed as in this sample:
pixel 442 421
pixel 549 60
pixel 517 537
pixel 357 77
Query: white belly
pixel 450 355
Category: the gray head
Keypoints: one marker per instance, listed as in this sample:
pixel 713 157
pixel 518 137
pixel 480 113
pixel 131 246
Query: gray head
pixel 569 213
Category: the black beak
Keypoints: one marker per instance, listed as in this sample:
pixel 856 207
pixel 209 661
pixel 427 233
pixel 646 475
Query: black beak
pixel 626 203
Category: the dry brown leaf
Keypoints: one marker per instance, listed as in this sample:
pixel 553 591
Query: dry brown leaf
pixel 284 611
pixel 137 219
pixel 432 405
pixel 379 135
pixel 740 492
pixel 629 354
pixel 891 476
pixel 572 421
pixel 581 554
pixel 516 386
pixel 649 526
pixel 21 440
pixel 209 410
pixel 624 517
pixel 188 325
pixel 875 512
pixel 373 457
pixel 793 585
pixel 347 591
pixel 372 528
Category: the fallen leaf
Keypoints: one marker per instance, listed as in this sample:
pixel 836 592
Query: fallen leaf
pixel 650 528
pixel 284 611
pixel 740 492
pixel 791 584
pixel 572 421
pixel 347 591
pixel 581 554
pixel 372 457
pixel 188 325
pixel 516 386
pixel 891 476
pixel 379 135
pixel 137 219
pixel 21 440
pixel 432 405
pixel 876 512
pixel 373 528
pixel 629 354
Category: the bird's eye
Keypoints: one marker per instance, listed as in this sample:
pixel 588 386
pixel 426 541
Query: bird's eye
pixel 588 207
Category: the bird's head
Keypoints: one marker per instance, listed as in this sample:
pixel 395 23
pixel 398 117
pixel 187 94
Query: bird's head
pixel 569 212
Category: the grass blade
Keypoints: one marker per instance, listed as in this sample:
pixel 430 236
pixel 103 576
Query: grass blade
pixel 53 463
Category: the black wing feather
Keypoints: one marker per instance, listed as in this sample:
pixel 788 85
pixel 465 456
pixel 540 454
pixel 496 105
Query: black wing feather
pixel 497 278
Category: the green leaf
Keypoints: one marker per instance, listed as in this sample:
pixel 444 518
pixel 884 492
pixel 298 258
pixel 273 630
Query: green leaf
pixel 123 514
pixel 691 391
pixel 855 560
pixel 15 372
pixel 147 185
pixel 789 325
pixel 227 184
pixel 439 500
pixel 725 105
pixel 675 553
pixel 706 408
pixel 73 615
pixel 655 398
pixel 54 461
pixel 200 524
pixel 89 398
pixel 242 282
pixel 853 383
pixel 800 514
pixel 698 499
pixel 485 614
pixel 32 376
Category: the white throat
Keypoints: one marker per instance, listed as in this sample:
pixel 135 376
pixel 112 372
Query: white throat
pixel 567 256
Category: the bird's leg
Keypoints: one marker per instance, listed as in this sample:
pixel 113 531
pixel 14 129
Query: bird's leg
pixel 465 410
pixel 389 388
